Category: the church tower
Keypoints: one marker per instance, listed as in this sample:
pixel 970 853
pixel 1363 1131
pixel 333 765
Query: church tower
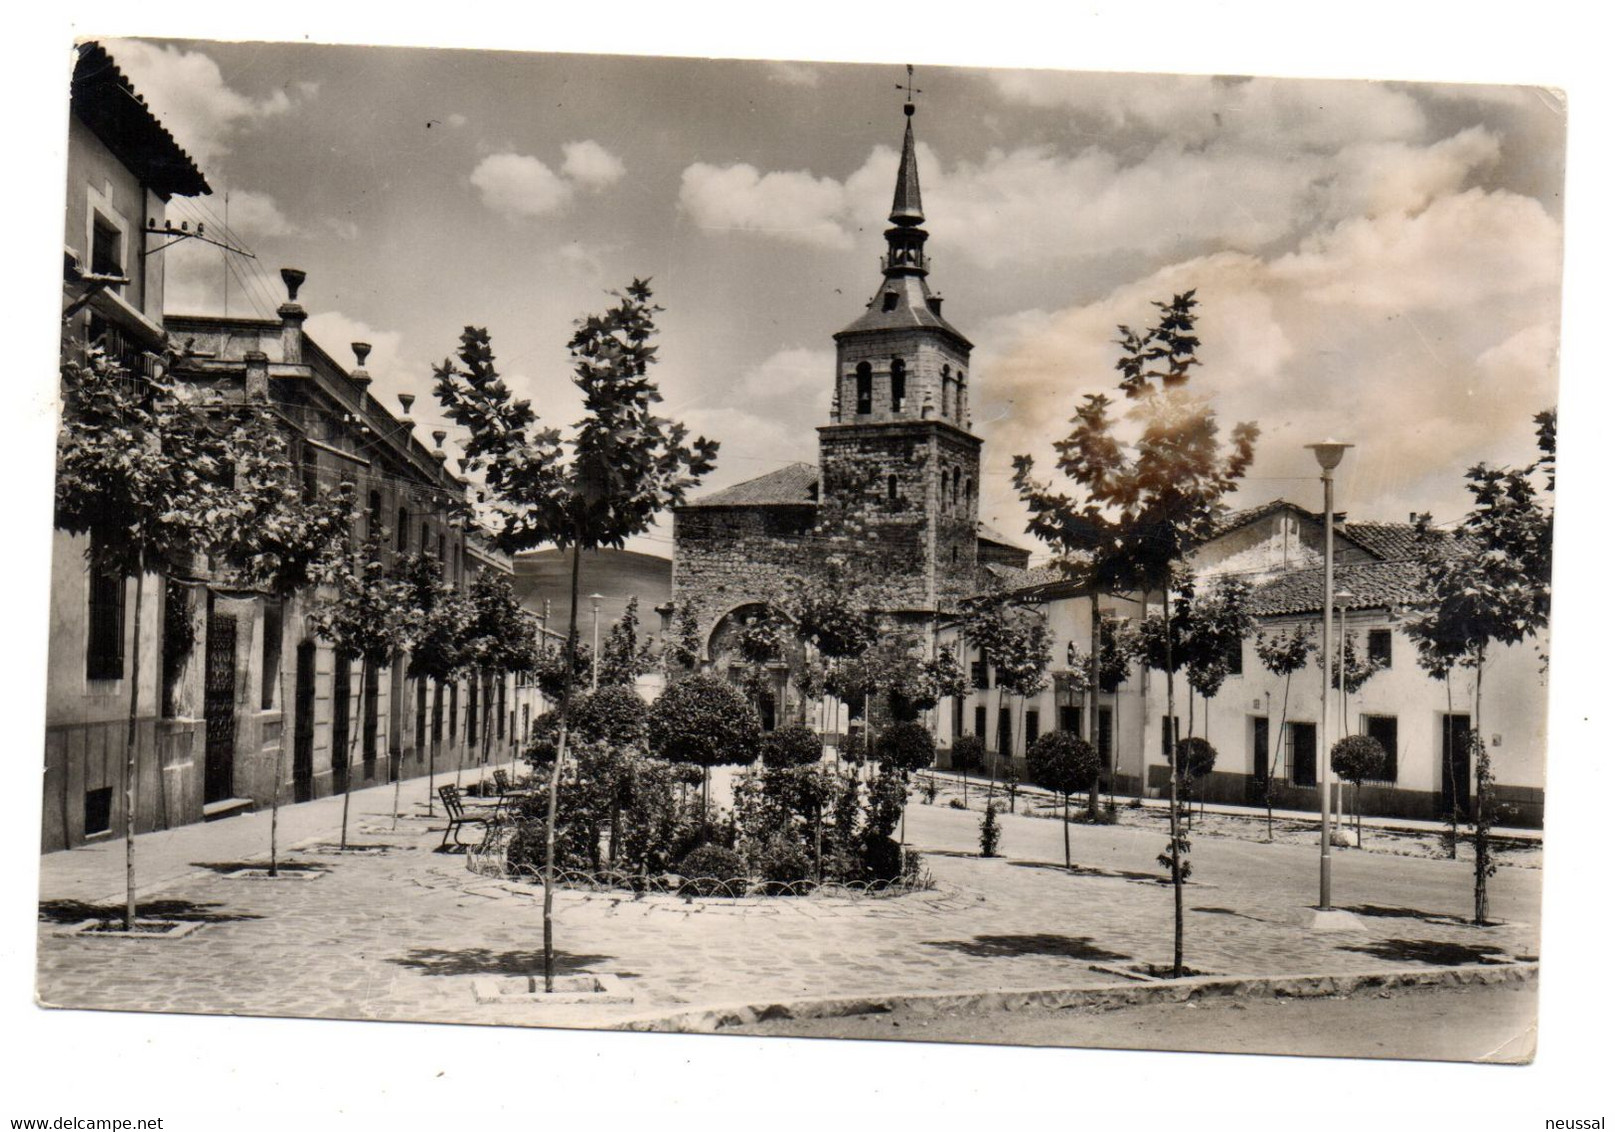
pixel 900 469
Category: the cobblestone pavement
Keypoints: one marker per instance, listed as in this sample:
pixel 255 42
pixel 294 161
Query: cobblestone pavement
pixel 402 932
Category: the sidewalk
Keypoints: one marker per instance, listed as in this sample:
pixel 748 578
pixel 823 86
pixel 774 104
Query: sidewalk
pixel 94 873
pixel 1392 825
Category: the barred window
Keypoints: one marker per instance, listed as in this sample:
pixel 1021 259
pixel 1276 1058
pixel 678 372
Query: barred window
pixel 104 659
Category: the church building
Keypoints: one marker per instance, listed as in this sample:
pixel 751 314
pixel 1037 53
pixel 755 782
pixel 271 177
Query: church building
pixel 894 496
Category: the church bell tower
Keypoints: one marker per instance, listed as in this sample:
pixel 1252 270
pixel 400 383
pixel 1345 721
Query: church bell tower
pixel 900 468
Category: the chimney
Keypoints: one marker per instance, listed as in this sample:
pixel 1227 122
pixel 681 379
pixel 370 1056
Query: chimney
pixel 1413 517
pixel 257 375
pixel 361 351
pixel 292 317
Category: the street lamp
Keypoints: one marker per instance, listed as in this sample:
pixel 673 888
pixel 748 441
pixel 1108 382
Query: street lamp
pixel 1329 454
pixel 594 674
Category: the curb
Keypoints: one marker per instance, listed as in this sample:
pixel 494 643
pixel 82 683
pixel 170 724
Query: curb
pixel 1108 995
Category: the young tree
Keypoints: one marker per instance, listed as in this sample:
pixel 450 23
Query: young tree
pixel 902 749
pixel 440 616
pixel 1488 583
pixel 621 467
pixel 706 722
pixel 141 473
pixel 1355 758
pixel 1015 641
pixel 272 538
pixel 624 657
pixel 683 652
pixel 365 618
pixel 500 638
pixel 1219 622
pixel 1064 763
pixel 1354 668
pixel 1145 510
pixel 1282 655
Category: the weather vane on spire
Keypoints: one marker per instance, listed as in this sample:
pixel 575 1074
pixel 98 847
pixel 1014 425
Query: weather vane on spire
pixel 909 91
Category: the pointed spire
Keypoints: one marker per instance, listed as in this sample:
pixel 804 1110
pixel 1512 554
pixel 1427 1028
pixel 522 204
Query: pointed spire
pixel 906 209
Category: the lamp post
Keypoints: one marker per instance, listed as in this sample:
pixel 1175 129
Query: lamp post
pixel 1329 454
pixel 594 673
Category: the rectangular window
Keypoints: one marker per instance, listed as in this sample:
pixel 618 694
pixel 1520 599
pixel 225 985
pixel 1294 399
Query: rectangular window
pixel 1260 755
pixel 981 722
pixel 104 659
pixel 1006 739
pixel 978 675
pixel 1236 658
pixel 454 709
pixel 1383 728
pixel 271 665
pixel 1167 727
pixel 1379 646
pixel 371 715
pixel 501 732
pixel 1302 754
pixel 1071 718
pixel 106 252
pixel 1031 729
pixel 471 711
pixel 437 712
pixel 1105 742
pixel 97 810
pixel 402 533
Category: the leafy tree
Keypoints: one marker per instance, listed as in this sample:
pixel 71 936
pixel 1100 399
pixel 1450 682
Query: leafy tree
pixel 791 746
pixel 683 652
pixel 902 749
pixel 706 722
pixel 1282 655
pixel 271 538
pixel 621 466
pixel 1016 642
pixel 1064 763
pixel 1144 510
pixel 141 473
pixel 438 648
pixel 614 715
pixel 991 831
pixel 1488 583
pixel 1219 622
pixel 1196 759
pixel 365 618
pixel 624 658
pixel 1355 666
pixel 966 755
pixel 1355 758
pixel 500 638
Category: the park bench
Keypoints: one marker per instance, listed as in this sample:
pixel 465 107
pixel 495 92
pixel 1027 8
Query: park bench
pixel 458 814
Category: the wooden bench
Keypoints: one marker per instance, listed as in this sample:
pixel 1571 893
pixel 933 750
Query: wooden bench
pixel 458 815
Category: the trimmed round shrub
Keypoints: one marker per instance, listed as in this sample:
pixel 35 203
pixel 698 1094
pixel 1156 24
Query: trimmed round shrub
pixel 967 752
pixel 1357 757
pixel 705 721
pixel 883 859
pixel 1196 757
pixel 905 747
pixel 712 870
pixel 1062 762
pixel 791 746
pixel 614 715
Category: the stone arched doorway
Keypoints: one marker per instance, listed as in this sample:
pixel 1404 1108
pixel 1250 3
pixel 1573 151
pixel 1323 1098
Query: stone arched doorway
pixel 754 647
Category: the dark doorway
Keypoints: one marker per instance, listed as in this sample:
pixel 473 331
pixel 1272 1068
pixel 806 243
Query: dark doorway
pixel 303 726
pixel 1303 754
pixel 1455 765
pixel 1006 737
pixel 219 708
pixel 371 717
pixel 1256 784
pixel 341 713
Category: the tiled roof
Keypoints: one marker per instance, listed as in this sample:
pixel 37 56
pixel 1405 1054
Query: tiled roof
pixel 1236 519
pixel 985 533
pixel 1372 585
pixel 1392 542
pixel 795 485
pixel 105 100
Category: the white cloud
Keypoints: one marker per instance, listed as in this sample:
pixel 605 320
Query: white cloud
pixel 794 375
pixel 188 94
pixel 791 206
pixel 391 372
pixel 591 164
pixel 255 215
pixel 518 185
pixel 456 120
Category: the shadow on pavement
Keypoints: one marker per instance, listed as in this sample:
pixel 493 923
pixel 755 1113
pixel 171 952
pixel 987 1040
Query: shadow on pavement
pixel 1042 943
pixel 1231 912
pixel 1378 911
pixel 1091 871
pixel 482 961
pixel 1436 953
pixel 222 867
pixel 75 911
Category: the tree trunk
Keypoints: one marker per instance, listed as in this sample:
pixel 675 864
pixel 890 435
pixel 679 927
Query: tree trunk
pixel 130 749
pixel 1172 779
pixel 1273 758
pixel 1452 775
pixel 1065 822
pixel 347 776
pixel 1096 641
pixel 487 718
pixel 1481 806
pixel 568 664
pixel 274 797
pixel 431 768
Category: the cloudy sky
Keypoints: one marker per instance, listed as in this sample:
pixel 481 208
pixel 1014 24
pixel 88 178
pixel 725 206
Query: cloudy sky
pixel 1376 262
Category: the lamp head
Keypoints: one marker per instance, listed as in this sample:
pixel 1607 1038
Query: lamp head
pixel 1330 453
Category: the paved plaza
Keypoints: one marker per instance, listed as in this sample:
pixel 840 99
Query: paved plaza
pixel 404 931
